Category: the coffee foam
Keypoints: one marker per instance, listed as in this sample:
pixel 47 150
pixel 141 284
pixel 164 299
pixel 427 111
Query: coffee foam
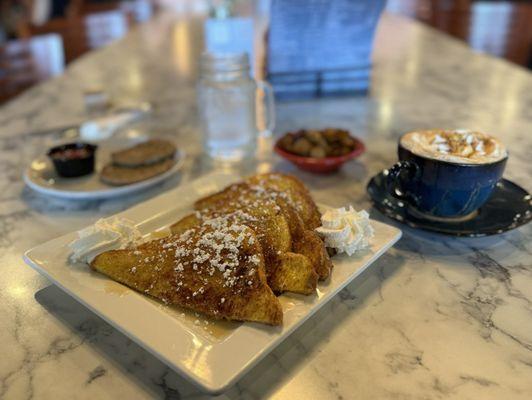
pixel 461 146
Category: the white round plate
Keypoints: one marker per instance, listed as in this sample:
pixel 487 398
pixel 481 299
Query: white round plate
pixel 41 177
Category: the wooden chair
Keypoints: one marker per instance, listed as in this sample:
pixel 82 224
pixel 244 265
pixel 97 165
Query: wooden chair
pixel 71 30
pixel 25 62
pixel 105 27
pixel 136 11
pixel 88 7
pixel 83 33
pixel 500 28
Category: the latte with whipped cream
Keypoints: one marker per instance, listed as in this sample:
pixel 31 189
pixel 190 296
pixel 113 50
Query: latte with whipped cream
pixel 459 146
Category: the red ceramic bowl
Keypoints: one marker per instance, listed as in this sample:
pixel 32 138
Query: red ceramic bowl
pixel 321 165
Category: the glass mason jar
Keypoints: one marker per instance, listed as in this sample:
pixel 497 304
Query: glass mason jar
pixel 227 101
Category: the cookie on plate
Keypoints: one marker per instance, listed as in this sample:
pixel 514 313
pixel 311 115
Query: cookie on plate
pixel 119 176
pixel 147 153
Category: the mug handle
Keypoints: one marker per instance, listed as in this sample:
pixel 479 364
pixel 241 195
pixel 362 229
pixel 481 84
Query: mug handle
pixel 396 177
pixel 269 107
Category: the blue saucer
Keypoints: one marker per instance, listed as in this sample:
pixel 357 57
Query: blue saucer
pixel 509 207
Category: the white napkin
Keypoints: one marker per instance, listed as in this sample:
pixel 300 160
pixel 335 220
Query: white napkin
pixel 104 127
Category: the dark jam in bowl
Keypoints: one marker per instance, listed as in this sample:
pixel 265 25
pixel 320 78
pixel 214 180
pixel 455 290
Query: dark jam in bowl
pixel 73 159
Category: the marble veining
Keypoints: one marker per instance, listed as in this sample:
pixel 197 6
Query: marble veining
pixel 434 318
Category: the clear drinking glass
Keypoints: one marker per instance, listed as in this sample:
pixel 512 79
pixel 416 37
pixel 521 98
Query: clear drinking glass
pixel 228 106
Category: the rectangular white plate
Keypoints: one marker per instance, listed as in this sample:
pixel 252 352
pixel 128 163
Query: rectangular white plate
pixel 210 354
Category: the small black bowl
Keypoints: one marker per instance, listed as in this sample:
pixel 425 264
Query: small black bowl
pixel 73 159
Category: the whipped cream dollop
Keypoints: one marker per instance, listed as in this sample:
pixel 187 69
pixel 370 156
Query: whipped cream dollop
pixel 106 234
pixel 346 230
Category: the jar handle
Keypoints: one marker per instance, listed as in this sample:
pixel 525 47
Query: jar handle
pixel 268 99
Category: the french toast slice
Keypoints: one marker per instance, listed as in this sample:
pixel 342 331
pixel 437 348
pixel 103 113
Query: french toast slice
pixel 307 242
pixel 216 268
pixel 293 273
pixel 244 194
pixel 296 192
pixel 264 219
pixel 304 241
pixel 311 245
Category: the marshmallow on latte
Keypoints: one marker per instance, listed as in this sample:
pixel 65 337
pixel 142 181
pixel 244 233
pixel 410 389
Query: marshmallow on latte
pixel 456 146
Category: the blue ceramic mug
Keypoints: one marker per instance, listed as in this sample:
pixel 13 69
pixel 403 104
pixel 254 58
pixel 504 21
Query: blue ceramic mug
pixel 442 189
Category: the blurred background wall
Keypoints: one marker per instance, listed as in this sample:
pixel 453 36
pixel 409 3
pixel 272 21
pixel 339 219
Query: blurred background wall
pixel 39 37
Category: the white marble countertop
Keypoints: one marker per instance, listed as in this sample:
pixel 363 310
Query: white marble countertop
pixel 436 317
